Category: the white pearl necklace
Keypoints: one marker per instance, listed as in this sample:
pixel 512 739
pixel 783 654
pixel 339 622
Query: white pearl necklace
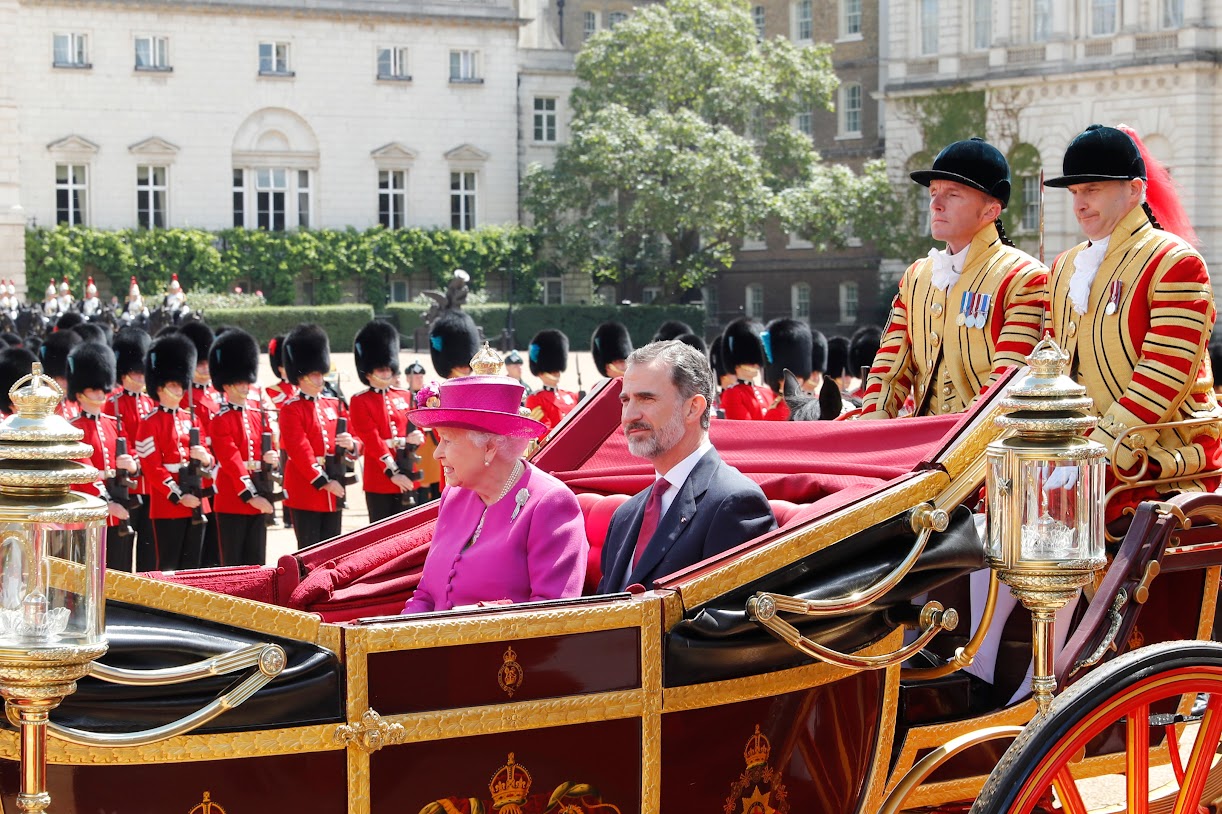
pixel 514 474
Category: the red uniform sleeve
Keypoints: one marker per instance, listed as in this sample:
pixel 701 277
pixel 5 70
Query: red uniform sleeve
pixel 298 451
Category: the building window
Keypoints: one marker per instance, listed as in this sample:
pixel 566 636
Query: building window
pixel 754 301
pixel 545 119
pixel 799 301
pixel 271 194
pixel 152 54
pixel 1031 203
pixel 151 193
pixel 589 25
pixel 303 199
pixel 274 59
pixel 615 18
pixel 462 200
pixel 70 51
pixel 392 64
pixel 651 294
pixel 239 198
pixel 929 27
pixel 1102 17
pixel 804 20
pixel 553 291
pixel 464 67
pixel 806 123
pixel 757 14
pixel 850 18
pixel 392 198
pixel 280 197
pixel 850 110
pixel 399 291
pixel 1041 20
pixel 982 24
pixel 70 190
pixel 1173 13
pixel 708 296
pixel 848 303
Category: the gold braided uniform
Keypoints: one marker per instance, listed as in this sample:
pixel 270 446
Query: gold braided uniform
pixel 924 321
pixel 1144 363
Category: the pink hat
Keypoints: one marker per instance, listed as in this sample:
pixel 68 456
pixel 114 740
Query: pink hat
pixel 480 403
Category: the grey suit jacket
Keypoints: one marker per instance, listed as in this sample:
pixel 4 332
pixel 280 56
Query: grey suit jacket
pixel 716 509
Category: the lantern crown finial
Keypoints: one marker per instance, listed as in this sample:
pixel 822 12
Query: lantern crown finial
pixel 39 397
pixel 486 362
pixel 1047 360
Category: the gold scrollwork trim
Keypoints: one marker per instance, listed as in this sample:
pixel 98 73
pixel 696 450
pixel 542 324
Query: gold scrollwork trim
pixel 733 690
pixel 186 748
pixel 814 537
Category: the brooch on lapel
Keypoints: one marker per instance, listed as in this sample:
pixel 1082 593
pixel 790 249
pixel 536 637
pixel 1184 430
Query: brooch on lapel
pixel 521 498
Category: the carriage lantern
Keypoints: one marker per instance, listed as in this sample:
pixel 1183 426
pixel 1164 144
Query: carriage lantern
pixel 52 568
pixel 1045 496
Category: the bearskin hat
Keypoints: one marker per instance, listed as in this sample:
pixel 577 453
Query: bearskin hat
pixel 54 353
pixel 453 341
pixel 93 332
pixel 549 352
pixel 11 339
pixel 376 345
pixel 790 342
pixel 275 354
pixel 200 335
pixel 171 358
pixel 68 320
pixel 671 329
pixel 131 345
pixel 693 341
pixel 818 351
pixel 838 357
pixel 306 350
pixel 717 359
pixel 741 344
pixel 233 358
pixel 14 363
pixel 863 347
pixel 90 365
pixel 610 343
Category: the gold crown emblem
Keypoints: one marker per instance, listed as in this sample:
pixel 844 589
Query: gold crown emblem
pixel 758 748
pixel 510 787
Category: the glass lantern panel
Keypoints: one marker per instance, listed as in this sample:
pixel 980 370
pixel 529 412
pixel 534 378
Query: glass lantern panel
pixel 1052 494
pixel 1091 491
pixel 998 497
pixel 51 584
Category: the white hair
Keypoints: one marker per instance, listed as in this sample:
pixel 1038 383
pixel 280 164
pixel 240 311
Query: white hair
pixel 510 446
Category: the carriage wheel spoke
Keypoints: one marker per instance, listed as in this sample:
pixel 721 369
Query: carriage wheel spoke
pixel 1067 792
pixel 1201 760
pixel 1137 759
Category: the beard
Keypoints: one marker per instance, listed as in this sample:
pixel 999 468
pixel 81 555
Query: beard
pixel 660 439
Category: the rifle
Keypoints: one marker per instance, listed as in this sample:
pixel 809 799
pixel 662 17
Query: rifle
pixel 191 476
pixel 407 461
pixel 338 467
pixel 119 487
pixel 267 478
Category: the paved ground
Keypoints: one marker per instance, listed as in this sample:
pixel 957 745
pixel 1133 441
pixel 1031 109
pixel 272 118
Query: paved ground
pixel 281 541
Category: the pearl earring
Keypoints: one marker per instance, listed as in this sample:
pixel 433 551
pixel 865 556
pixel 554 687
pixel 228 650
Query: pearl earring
pixel 487 462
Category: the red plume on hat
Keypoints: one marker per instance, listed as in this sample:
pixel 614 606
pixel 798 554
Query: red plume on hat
pixel 1162 192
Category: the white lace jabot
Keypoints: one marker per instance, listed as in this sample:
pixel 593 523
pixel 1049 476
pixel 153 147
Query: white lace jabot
pixel 1085 266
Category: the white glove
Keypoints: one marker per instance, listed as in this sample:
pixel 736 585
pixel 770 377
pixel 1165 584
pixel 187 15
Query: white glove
pixel 1060 477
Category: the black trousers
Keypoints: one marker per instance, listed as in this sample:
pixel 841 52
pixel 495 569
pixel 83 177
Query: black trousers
pixel 177 544
pixel 383 506
pixel 242 538
pixel 119 547
pixel 313 527
pixel 212 554
pixel 146 559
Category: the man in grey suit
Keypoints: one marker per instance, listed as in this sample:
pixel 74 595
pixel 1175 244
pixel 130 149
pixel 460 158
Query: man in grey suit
pixel 698 505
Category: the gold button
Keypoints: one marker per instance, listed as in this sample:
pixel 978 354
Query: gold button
pixel 936 309
pixel 934 339
pixel 1073 329
pixel 946 390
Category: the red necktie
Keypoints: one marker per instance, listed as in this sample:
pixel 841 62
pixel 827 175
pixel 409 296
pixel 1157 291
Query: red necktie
pixel 649 523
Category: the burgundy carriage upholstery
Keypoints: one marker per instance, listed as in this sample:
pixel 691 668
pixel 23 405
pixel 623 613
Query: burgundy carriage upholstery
pixel 262 583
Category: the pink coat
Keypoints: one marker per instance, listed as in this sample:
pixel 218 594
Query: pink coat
pixel 540 554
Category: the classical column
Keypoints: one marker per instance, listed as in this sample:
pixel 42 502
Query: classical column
pixel 12 216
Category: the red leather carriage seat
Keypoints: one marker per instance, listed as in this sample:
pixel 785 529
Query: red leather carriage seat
pixel 597 510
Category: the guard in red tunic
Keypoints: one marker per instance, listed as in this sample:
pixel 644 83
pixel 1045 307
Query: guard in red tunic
pixel 308 434
pixel 549 357
pixel 130 405
pixel 237 441
pixel 453 342
pixel 203 404
pixel 165 451
pixel 790 346
pixel 381 423
pixel 282 390
pixel 91 377
pixel 54 356
pixel 742 348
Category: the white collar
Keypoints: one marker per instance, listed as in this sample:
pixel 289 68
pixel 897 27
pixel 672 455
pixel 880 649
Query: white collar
pixel 680 472
pixel 947 267
pixel 1085 267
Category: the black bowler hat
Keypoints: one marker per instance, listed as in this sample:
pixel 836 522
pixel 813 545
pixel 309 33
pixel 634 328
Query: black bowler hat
pixel 1100 154
pixel 973 162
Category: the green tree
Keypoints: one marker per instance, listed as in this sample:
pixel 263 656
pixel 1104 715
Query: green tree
pixel 683 143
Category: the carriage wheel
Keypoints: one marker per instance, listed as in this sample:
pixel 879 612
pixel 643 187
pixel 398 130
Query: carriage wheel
pixel 1039 762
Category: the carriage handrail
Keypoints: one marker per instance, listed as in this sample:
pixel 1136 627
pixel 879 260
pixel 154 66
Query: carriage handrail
pixel 763 608
pixel 1138 479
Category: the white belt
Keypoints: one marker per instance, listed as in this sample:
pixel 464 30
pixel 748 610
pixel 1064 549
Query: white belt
pixel 173 467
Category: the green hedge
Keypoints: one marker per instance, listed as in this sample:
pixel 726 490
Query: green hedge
pixel 577 321
pixel 341 322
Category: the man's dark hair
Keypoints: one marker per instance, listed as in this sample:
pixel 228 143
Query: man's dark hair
pixel 689 370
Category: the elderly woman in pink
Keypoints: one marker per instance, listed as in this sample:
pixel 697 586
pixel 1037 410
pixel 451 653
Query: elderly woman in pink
pixel 505 529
